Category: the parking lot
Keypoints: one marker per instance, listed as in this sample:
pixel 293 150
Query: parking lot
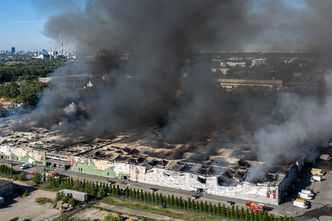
pixel 26 207
pixel 321 201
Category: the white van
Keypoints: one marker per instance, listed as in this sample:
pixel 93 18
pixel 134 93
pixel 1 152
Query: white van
pixel 305 196
pixel 309 192
pixel 316 179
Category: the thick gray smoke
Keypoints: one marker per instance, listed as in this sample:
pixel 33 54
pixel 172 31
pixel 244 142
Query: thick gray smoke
pixel 160 38
pixel 306 121
pixel 153 87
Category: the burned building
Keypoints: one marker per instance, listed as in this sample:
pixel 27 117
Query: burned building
pixel 130 157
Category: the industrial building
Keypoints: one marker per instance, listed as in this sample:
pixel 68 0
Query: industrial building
pixel 79 196
pixel 139 158
pixel 235 83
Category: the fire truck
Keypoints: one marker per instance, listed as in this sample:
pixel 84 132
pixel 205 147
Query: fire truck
pixel 253 206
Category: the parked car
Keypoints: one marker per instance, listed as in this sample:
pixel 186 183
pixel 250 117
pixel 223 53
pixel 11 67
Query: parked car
pixel 152 189
pixel 25 166
pixel 316 179
pixel 229 203
pixel 305 196
pixel 196 195
pixel 326 157
pixel 317 172
pixel 309 192
pixel 110 181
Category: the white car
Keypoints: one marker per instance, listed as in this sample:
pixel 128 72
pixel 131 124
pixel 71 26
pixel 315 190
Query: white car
pixel 305 196
pixel 25 166
pixel 308 192
pixel 326 157
pixel 316 179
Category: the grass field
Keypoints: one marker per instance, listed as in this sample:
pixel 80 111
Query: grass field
pixel 170 212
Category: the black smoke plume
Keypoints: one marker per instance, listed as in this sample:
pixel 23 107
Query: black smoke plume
pixel 160 38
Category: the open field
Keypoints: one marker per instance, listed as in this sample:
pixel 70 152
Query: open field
pixel 91 214
pixel 118 204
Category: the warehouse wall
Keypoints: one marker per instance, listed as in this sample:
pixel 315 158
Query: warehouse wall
pixel 24 155
pixel 176 180
pixel 157 176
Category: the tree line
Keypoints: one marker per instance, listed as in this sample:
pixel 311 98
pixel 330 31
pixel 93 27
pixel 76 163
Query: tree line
pixel 100 190
pixel 31 69
pixel 6 170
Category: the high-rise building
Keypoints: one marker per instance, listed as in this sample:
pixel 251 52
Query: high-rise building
pixel 13 50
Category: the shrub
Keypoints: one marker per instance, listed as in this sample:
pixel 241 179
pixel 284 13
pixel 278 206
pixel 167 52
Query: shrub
pixel 43 200
pixel 36 179
pixel 21 176
pixel 26 193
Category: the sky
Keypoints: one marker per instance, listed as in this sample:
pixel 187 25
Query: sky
pixel 22 21
pixel 21 26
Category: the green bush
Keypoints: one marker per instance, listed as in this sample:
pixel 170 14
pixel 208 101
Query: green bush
pixel 21 176
pixel 43 200
pixel 6 170
pixel 36 179
pixel 26 193
pixel 71 201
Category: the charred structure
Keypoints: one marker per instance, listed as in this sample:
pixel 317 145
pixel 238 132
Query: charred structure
pixel 133 156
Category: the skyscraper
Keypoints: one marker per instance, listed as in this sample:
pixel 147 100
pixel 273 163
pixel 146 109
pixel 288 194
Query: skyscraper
pixel 13 50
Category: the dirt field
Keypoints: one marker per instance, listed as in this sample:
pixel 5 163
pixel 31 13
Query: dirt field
pixel 91 214
pixel 26 207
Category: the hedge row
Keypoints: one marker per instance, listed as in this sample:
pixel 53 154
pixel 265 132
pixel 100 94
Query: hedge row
pixel 6 170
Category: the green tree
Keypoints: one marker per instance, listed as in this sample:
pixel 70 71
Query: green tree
pixel 101 192
pixel 205 207
pixel 172 201
pixel 169 201
pixel 201 206
pixel 177 204
pixel 252 216
pixel 186 205
pixel 241 214
pixel 223 210
pixel 36 179
pixel 21 176
pixel 30 91
pixel 190 204
pixel 71 201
